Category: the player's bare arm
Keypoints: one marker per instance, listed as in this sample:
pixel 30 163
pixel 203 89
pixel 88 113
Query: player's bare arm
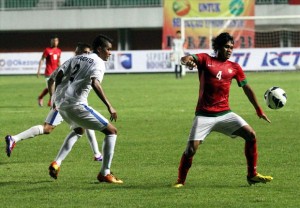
pixel 252 98
pixel 100 93
pixel 40 65
pixel 189 62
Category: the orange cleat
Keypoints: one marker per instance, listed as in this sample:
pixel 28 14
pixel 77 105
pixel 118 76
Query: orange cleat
pixel 54 170
pixel 109 178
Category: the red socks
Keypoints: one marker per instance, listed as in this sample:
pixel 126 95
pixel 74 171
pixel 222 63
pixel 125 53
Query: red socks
pixel 251 156
pixel 184 166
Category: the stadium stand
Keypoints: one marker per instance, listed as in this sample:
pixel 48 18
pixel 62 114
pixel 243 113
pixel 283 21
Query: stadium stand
pixel 20 4
pixel 127 36
pixel 69 4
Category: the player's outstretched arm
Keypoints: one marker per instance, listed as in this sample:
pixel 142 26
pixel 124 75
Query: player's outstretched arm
pixel 100 93
pixel 252 98
pixel 188 61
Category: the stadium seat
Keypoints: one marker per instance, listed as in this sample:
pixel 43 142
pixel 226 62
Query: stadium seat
pixel 20 4
pixel 85 3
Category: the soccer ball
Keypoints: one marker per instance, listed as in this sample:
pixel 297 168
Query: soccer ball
pixel 275 97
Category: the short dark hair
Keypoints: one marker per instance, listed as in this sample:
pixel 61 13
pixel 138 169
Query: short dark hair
pixel 54 36
pixel 101 41
pixel 82 45
pixel 219 41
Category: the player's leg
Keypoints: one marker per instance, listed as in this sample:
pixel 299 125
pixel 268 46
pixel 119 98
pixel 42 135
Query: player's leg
pixel 94 120
pixel 251 153
pixel 186 162
pixel 108 148
pixel 68 143
pixel 43 93
pixel 40 97
pixel 176 71
pixel 11 140
pixel 180 70
pixel 233 125
pixel 201 128
pixel 183 70
pixel 28 133
pixel 248 134
pixel 65 149
pixel 52 120
pixel 94 144
pixel 88 118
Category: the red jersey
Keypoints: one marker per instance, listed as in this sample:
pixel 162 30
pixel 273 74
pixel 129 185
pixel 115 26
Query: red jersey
pixel 215 78
pixel 52 56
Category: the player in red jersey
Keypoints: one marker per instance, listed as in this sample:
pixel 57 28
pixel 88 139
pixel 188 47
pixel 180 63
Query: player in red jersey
pixel 213 112
pixel 52 55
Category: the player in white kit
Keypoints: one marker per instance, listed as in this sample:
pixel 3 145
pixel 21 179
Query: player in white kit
pixel 53 119
pixel 177 48
pixel 74 81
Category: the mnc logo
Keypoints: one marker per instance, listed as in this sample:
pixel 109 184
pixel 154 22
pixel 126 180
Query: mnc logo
pixel 125 60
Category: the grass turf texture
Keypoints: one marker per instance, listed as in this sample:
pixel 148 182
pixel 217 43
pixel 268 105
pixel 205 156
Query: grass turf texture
pixel 155 114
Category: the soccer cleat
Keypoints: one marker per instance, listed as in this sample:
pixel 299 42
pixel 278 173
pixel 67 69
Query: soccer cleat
pixel 54 170
pixel 40 102
pixel 49 103
pixel 109 178
pixel 178 185
pixel 10 145
pixel 99 159
pixel 259 179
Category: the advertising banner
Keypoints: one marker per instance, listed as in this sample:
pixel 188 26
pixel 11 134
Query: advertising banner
pixel 199 32
pixel 160 60
pixel 25 63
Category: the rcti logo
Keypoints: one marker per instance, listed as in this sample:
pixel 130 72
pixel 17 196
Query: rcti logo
pixel 125 60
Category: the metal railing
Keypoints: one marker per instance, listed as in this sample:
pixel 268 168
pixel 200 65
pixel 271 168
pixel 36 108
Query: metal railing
pixel 260 2
pixel 85 4
pixel 75 4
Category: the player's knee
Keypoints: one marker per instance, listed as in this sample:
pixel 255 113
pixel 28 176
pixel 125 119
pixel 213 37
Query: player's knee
pixel 251 135
pixel 48 128
pixel 110 130
pixel 190 151
pixel 113 131
pixel 79 130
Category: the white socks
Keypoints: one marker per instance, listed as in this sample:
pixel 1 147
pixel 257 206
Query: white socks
pixel 93 142
pixel 66 147
pixel 108 149
pixel 29 133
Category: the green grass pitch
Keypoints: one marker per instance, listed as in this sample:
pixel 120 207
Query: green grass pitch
pixel 155 115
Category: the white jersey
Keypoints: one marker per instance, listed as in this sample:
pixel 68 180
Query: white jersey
pixel 76 83
pixel 177 47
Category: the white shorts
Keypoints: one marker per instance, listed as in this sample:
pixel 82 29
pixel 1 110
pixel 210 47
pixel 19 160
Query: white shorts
pixel 83 116
pixel 54 118
pixel 226 124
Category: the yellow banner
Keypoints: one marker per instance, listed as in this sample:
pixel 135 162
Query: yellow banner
pixel 198 32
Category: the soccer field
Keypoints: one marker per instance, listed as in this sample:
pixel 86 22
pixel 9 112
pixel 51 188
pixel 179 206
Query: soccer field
pixel 155 113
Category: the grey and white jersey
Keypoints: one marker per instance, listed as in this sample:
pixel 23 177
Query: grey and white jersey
pixel 76 83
